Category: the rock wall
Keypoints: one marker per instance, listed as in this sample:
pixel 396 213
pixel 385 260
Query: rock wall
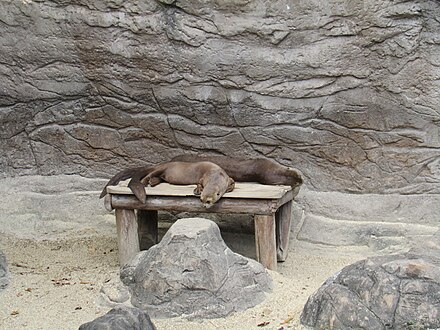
pixel 346 91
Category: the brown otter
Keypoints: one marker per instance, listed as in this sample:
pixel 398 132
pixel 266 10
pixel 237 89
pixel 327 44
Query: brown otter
pixel 212 181
pixel 260 170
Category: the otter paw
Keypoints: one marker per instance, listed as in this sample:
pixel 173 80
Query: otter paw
pixel 198 191
pixel 154 181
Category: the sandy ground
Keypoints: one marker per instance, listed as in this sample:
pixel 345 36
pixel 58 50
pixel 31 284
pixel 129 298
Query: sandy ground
pixel 56 285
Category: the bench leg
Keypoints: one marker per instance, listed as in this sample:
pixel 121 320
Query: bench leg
pixel 265 240
pixel 127 231
pixel 283 219
pixel 147 228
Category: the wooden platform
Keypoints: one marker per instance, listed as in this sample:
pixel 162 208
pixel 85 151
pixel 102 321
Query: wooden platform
pixel 137 222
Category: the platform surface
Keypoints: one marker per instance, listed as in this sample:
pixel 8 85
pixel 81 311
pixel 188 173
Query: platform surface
pixel 241 190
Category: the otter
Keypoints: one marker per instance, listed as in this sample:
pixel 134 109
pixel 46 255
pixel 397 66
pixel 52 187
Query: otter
pixel 212 181
pixel 260 170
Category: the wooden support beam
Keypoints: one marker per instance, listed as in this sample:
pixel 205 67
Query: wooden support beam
pixel 127 232
pixel 265 240
pixel 283 220
pixel 193 204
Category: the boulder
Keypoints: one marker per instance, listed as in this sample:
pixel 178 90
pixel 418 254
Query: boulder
pixel 113 293
pixel 121 318
pixel 4 274
pixel 192 273
pixel 388 292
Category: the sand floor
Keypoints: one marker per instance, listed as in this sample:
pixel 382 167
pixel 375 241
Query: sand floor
pixel 55 284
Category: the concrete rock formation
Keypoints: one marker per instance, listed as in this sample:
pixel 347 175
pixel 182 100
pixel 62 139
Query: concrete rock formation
pixel 392 292
pixel 119 318
pixel 192 273
pixel 345 91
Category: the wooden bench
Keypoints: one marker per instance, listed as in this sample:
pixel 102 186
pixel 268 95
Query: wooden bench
pixel 137 223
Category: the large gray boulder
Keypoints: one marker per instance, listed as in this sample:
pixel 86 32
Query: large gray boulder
pixel 389 292
pixel 121 318
pixel 4 273
pixel 192 273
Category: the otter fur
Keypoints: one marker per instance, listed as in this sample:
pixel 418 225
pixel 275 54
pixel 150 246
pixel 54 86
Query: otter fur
pixel 212 181
pixel 260 170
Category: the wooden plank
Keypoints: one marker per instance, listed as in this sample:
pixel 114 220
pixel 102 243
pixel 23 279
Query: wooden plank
pixel 193 204
pixel 288 196
pixel 283 220
pixel 241 190
pixel 127 232
pixel 265 241
pixel 147 228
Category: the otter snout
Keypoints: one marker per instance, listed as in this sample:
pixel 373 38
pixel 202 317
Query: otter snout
pixel 207 202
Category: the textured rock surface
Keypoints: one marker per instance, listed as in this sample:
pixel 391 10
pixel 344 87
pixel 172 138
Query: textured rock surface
pixel 192 273
pixel 53 206
pixel 113 293
pixel 121 317
pixel 365 222
pixel 346 91
pixel 392 292
pixel 4 274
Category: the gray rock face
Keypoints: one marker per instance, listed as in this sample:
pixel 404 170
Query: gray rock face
pixel 192 273
pixel 370 224
pixel 346 91
pixel 121 318
pixel 4 274
pixel 53 206
pixel 392 292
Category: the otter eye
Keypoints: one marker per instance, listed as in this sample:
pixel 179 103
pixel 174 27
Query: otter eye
pixel 218 194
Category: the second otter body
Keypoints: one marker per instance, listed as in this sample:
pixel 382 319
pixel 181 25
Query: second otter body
pixel 260 170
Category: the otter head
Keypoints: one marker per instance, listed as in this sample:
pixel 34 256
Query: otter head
pixel 212 187
pixel 295 180
pixel 286 176
pixel 295 177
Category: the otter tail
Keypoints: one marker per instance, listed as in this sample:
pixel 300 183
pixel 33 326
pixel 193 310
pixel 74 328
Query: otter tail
pixel 123 175
pixel 135 184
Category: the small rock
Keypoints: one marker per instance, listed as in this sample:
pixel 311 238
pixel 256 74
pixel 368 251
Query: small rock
pixel 121 317
pixel 114 293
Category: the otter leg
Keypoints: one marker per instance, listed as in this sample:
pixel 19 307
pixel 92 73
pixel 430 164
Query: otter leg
pixel 283 220
pixel 198 190
pixel 154 181
pixel 154 178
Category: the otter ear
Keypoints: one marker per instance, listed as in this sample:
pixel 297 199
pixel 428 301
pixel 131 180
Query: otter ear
pixel 199 189
pixel 231 185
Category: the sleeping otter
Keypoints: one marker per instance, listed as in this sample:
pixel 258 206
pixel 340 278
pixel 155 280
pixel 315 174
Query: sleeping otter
pixel 212 181
pixel 260 170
